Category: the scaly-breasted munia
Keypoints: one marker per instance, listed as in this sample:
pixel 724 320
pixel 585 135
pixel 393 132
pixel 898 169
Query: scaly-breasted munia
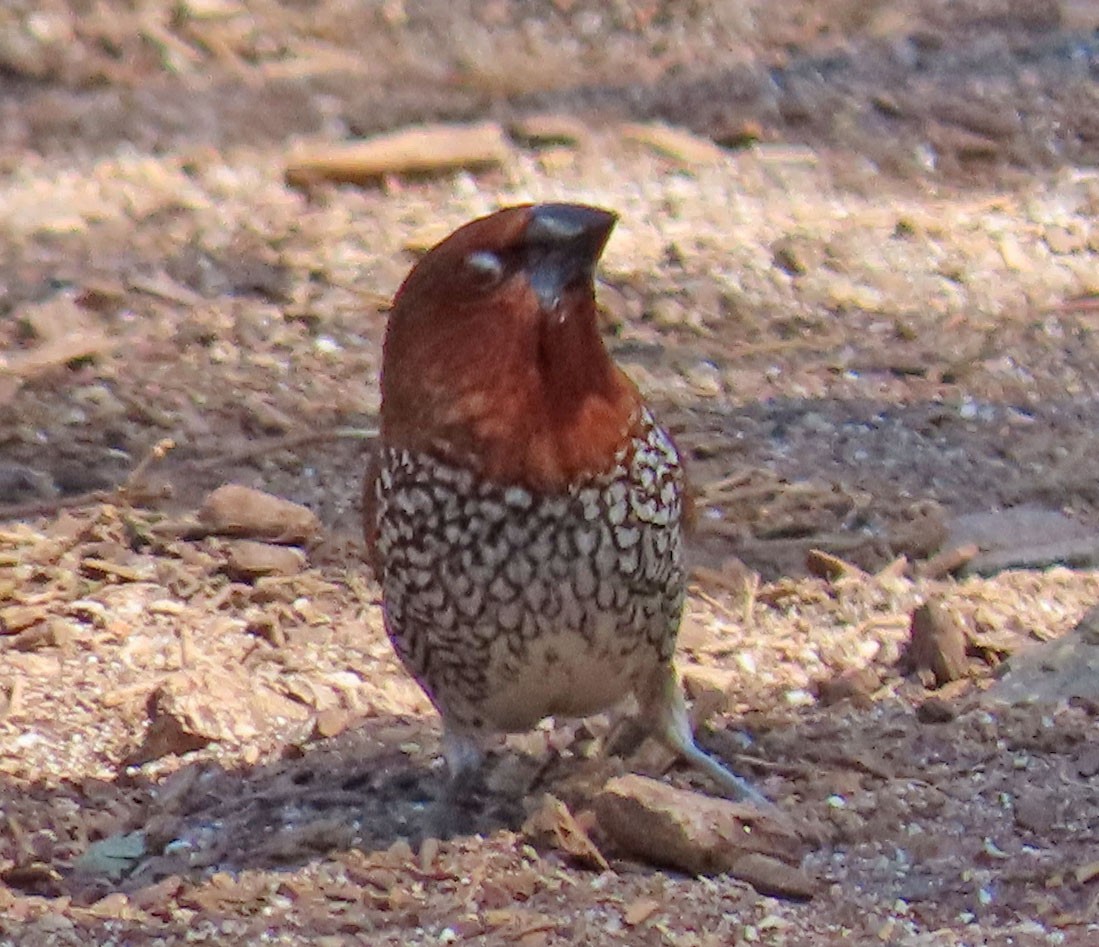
pixel 524 511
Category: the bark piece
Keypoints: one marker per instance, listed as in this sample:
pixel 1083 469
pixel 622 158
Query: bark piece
pixel 936 644
pixel 702 835
pixel 675 143
pixel 419 150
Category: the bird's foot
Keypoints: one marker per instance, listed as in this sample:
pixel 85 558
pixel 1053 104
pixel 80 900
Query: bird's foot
pixel 667 712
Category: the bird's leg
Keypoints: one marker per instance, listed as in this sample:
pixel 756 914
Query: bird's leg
pixel 464 757
pixel 666 712
pixel 450 814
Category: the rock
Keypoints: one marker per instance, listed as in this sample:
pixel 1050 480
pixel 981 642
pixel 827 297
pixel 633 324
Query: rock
pixel 1014 256
pixel 1073 554
pixel 1054 670
pixel 249 559
pixel 191 709
pixel 702 835
pixel 701 681
pixel 1022 538
pixel 639 911
pixel 53 633
pixel 844 294
pixel 1087 762
pixel 419 150
pixel 936 644
pixel 50 355
pixel 235 510
pixel 553 825
pixel 112 857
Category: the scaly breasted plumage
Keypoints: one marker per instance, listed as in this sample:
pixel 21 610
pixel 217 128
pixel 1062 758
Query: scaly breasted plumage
pixel 524 511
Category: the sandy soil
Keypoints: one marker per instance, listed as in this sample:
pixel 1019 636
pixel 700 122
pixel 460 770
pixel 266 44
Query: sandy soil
pixel 867 315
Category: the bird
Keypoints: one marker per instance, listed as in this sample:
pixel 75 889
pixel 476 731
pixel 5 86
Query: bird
pixel 523 509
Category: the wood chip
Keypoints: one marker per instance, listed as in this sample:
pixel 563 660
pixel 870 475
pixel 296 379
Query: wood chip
pixel 937 644
pixel 18 617
pixel 826 566
pixel 550 129
pixel 249 559
pixel 701 834
pixel 948 561
pixel 419 150
pixel 53 354
pixel 331 721
pixel 639 911
pixel 676 143
pixel 553 825
pixel 106 569
pixel 191 709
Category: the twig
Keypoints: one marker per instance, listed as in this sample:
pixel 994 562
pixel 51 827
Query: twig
pixel 716 604
pixel 751 591
pixel 715 489
pixel 155 453
pixel 783 769
pixel 777 346
pixel 186 658
pixel 19 511
pixel 285 442
pixel 128 492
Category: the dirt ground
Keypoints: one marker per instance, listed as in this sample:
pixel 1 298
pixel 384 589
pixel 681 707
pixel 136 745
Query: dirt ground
pixel 863 300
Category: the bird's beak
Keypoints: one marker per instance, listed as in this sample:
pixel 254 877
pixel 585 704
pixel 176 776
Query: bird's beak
pixel 564 242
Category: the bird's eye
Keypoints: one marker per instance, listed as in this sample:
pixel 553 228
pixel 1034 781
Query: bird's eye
pixel 486 265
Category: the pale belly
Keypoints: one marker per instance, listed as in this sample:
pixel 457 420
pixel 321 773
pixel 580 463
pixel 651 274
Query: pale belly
pixel 563 675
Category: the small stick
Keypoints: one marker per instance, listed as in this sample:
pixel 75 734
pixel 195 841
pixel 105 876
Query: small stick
pixel 18 511
pixel 286 442
pixel 155 453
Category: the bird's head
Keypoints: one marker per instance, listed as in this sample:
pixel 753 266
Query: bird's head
pixel 493 356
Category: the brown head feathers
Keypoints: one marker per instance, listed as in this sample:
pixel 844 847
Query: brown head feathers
pixel 493 357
